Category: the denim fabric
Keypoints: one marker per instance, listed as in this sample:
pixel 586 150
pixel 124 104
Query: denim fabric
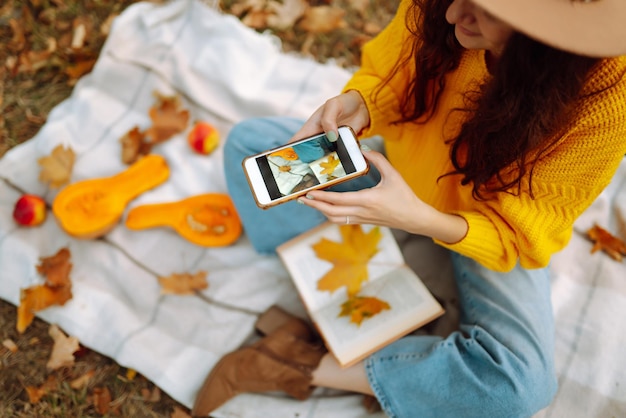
pixel 500 361
pixel 268 228
pixel 498 364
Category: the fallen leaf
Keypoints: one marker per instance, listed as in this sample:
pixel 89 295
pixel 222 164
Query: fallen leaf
pixel 10 345
pixel 349 258
pixel 183 284
pixel 56 168
pixel 153 395
pixel 607 242
pixel 360 308
pixel 323 19
pixel 63 349
pixel 179 412
pixel 36 393
pixel 167 117
pixel 329 165
pixel 101 400
pixel 134 145
pixel 56 290
pixel 131 374
pixel 82 381
pixel 286 14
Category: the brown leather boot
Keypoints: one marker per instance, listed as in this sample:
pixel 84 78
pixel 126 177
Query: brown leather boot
pixel 280 361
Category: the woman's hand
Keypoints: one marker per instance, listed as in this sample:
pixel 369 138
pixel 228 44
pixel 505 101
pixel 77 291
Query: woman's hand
pixel 346 109
pixel 390 203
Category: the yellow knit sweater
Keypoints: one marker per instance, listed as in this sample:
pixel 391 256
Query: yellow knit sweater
pixel 507 228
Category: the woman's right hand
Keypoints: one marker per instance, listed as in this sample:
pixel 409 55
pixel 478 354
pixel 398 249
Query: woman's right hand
pixel 346 109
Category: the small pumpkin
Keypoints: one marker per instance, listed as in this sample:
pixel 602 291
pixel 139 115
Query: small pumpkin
pixel 90 208
pixel 208 220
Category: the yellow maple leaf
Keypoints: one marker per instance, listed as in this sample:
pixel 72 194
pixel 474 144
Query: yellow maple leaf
pixel 360 308
pixel 56 168
pixel 329 165
pixel 183 284
pixel 349 258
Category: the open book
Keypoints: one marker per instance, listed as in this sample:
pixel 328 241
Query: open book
pixel 392 300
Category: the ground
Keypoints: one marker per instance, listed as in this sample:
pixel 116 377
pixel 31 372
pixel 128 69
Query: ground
pixel 45 47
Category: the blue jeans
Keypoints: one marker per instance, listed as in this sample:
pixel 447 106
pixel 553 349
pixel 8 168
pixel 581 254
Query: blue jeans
pixel 499 363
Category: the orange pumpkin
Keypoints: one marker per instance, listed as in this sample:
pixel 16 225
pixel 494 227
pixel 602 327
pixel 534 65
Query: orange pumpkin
pixel 90 208
pixel 208 220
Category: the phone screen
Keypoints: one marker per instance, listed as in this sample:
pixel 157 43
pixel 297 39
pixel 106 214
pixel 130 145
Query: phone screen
pixel 303 165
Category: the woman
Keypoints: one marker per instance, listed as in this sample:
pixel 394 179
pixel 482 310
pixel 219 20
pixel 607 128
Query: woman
pixel 502 122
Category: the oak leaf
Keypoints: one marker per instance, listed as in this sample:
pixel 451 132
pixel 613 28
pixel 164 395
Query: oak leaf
pixel 360 308
pixel 63 349
pixel 183 284
pixel 56 290
pixel 168 119
pixel 56 168
pixel 607 242
pixel 329 165
pixel 349 258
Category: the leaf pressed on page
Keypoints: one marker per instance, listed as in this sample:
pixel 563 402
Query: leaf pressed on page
pixel 56 168
pixel 360 308
pixel 607 242
pixel 349 258
pixel 329 165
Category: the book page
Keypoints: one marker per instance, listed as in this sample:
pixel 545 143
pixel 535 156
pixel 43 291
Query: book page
pixel 411 304
pixel 306 268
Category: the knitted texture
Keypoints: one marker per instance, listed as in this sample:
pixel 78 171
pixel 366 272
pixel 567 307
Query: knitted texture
pixel 508 227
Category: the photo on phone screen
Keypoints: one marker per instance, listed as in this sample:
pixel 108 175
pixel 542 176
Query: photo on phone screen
pixel 304 165
pixel 281 173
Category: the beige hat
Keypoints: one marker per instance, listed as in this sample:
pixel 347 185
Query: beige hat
pixel 586 27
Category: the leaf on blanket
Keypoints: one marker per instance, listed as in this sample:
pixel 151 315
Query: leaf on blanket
pixel 134 145
pixel 168 119
pixel 607 242
pixel 63 349
pixel 329 165
pixel 56 168
pixel 183 284
pixel 360 308
pixel 349 258
pixel 56 290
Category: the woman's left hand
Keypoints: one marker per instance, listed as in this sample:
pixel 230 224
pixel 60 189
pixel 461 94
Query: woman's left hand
pixel 390 203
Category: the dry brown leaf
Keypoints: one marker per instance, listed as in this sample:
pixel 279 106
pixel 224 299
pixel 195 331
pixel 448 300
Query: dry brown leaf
pixel 607 242
pixel 153 395
pixel 349 258
pixel 56 290
pixel 179 412
pixel 323 19
pixel 167 117
pixel 56 168
pixel 285 15
pixel 101 399
pixel 10 345
pixel 63 349
pixel 360 308
pixel 36 393
pixel 82 381
pixel 134 145
pixel 183 284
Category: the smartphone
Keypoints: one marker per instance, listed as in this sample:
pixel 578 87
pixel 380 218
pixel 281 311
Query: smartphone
pixel 284 173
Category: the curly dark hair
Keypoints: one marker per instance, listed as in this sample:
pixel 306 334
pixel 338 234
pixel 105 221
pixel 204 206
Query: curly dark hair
pixel 529 98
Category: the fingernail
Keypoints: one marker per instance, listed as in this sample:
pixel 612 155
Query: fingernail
pixel 308 196
pixel 365 148
pixel 300 201
pixel 332 136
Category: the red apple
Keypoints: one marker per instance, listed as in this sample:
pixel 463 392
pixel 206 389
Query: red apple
pixel 203 138
pixel 30 210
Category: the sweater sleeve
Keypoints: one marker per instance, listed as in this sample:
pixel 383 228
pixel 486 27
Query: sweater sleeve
pixel 379 58
pixel 565 181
